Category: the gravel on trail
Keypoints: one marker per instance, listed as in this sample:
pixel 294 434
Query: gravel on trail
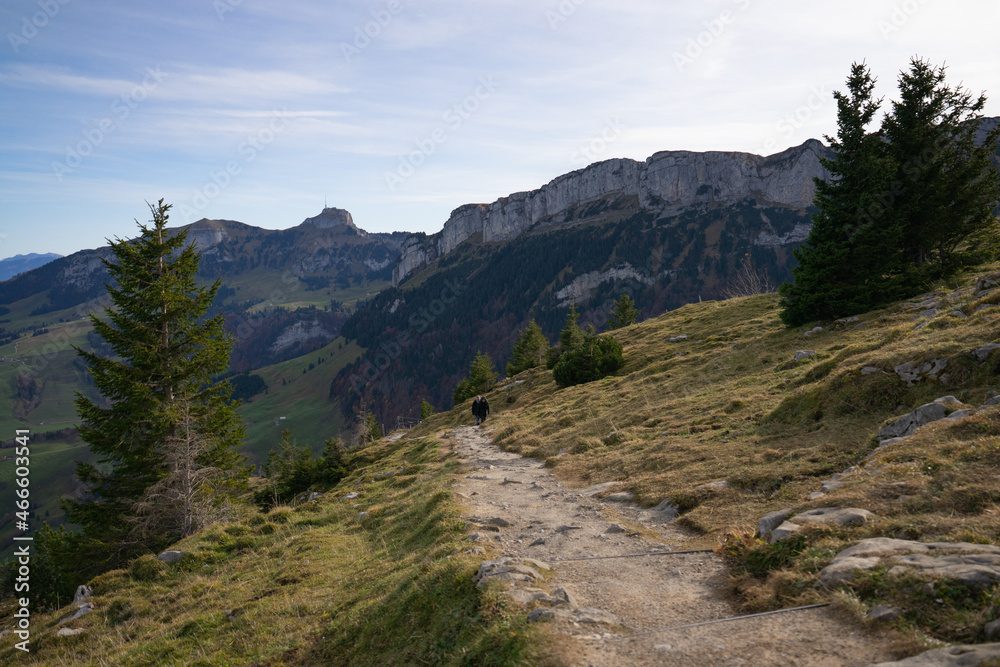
pixel 516 508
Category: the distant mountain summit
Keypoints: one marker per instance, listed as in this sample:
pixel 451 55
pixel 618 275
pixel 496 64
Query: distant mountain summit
pixel 12 266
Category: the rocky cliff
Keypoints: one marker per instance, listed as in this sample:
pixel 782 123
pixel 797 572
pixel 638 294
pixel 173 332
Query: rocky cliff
pixel 666 184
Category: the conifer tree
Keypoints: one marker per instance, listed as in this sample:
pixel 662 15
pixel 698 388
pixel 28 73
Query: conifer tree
pixel 529 350
pixel 946 187
pixel 623 314
pixel 847 250
pixel 159 389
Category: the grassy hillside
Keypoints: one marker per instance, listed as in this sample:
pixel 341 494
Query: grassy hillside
pixel 377 580
pixel 711 411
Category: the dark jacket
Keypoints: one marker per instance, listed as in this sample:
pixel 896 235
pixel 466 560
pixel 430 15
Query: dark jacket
pixel 475 408
pixel 484 408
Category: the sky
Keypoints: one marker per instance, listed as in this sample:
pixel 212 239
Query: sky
pixel 402 110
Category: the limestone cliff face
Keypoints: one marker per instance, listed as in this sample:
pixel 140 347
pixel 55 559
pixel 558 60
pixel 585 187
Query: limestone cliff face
pixel 666 183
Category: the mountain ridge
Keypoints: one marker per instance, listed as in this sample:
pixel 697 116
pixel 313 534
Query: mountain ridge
pixel 667 183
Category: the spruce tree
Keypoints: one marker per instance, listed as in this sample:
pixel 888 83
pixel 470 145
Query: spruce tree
pixel 159 389
pixel 529 350
pixel 623 314
pixel 848 251
pixel 946 187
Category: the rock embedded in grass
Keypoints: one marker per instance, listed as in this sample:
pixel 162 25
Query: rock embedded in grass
pixel 951 656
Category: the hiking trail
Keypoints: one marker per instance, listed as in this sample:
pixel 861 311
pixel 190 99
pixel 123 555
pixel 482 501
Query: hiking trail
pixel 517 508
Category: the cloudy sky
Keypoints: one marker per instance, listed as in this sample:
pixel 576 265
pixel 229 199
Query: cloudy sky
pixel 402 110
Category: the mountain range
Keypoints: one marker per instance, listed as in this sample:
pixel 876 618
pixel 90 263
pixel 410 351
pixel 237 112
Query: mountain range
pixel 12 266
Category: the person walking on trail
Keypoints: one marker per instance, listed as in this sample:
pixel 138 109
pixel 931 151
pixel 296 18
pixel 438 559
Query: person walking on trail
pixel 475 409
pixel 484 409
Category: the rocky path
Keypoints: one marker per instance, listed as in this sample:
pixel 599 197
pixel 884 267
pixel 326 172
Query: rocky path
pixel 599 606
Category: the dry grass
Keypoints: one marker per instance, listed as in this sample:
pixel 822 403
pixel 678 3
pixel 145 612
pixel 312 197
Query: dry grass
pixel 730 404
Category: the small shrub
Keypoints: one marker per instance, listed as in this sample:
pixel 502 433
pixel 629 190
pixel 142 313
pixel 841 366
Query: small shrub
pixel 147 568
pixel 595 358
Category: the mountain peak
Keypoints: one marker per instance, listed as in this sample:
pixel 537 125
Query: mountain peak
pixel 332 218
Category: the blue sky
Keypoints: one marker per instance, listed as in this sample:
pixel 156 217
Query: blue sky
pixel 402 110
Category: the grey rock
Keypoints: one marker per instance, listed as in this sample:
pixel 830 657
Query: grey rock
pixel 594 616
pixel 362 515
pixel 547 614
pixel 69 632
pixel 498 521
pixel 537 543
pixel 509 569
pixel 844 569
pixel 84 608
pixel 615 529
pixel 908 424
pixel 352 495
pixel 868 370
pixel 915 371
pixel 986 307
pixel 565 596
pixel 313 496
pixel 82 593
pixel 981 354
pixel 830 485
pixel 784 531
pixel 841 516
pixel 666 510
pixel 884 612
pixel 992 630
pixel 949 402
pixel 620 497
pixel 991 402
pixel 891 441
pixel 564 529
pixel 678 339
pixel 951 656
pixel 772 520
pixel 172 555
pixel 813 331
pixel 960 414
pixel 475 551
pixel 985 283
pixel 802 355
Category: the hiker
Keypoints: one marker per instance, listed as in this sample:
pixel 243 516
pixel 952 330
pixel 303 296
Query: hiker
pixel 475 409
pixel 484 409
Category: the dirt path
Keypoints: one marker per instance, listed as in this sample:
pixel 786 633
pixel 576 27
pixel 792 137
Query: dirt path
pixel 550 522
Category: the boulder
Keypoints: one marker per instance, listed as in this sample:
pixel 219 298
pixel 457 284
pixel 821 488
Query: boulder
pixel 992 630
pixel 981 354
pixel 914 371
pixel 84 608
pixel 995 400
pixel 951 656
pixel 884 612
pixel 802 355
pixel 666 510
pixel 772 520
pixel 909 423
pixel 784 531
pixel 841 516
pixel 985 283
pixel 974 565
pixel 82 593
pixel 960 414
pixel 813 331
pixel 509 569
pixel 172 555
pixel 69 632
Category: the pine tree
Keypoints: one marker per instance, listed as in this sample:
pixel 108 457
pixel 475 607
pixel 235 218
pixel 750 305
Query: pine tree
pixel 623 314
pixel 571 337
pixel 529 350
pixel 946 187
pixel 847 252
pixel 482 374
pixel 167 359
